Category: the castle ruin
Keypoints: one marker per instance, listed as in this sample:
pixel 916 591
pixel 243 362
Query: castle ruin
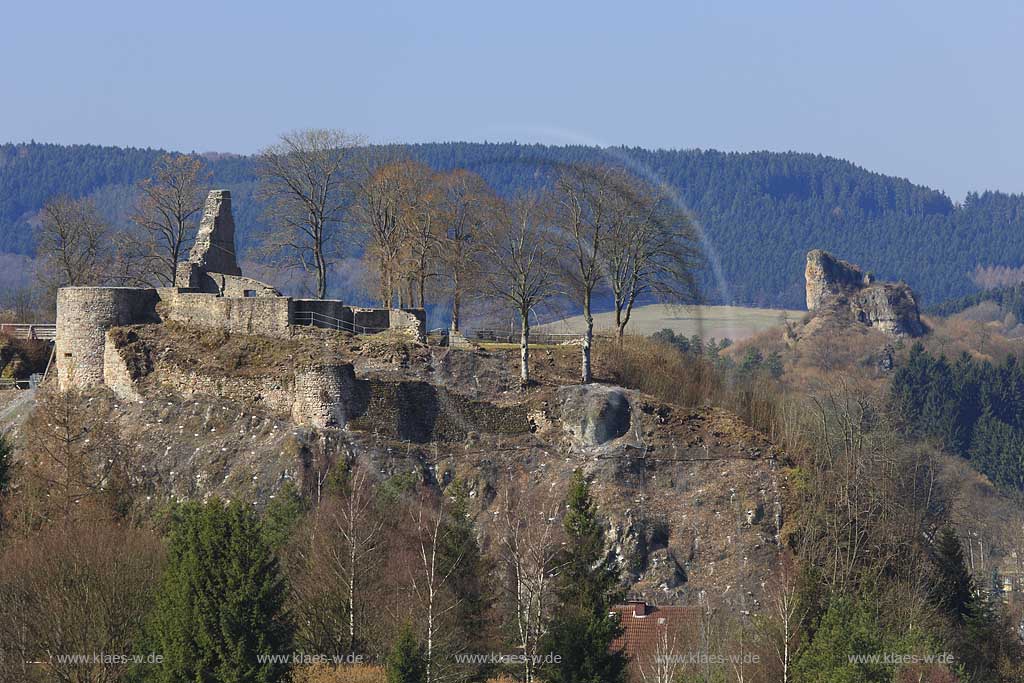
pixel 209 291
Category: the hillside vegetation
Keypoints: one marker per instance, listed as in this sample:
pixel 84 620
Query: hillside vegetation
pixel 761 212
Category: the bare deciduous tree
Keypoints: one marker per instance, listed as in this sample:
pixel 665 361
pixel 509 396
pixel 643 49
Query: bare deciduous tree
pixel 75 460
pixel 353 523
pixel 530 548
pixel 783 622
pixel 167 212
pixel 74 245
pixel 518 261
pixel 380 198
pixel 305 180
pixel 651 247
pixel 423 231
pixel 584 205
pixel 464 201
pixel 68 593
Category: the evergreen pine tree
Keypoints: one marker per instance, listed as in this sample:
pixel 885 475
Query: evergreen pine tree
pixel 953 589
pixel 405 662
pixel 583 628
pixel 464 563
pixel 220 607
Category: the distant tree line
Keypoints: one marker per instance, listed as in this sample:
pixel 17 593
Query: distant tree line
pixel 425 236
pixel 760 212
pixel 1010 299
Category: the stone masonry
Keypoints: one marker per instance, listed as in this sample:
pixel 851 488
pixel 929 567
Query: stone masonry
pixel 210 292
pixel 214 248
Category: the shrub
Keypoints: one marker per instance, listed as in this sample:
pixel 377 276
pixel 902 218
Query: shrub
pixel 325 673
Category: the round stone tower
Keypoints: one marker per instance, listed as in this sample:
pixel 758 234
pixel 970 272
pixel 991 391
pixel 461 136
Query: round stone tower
pixel 84 314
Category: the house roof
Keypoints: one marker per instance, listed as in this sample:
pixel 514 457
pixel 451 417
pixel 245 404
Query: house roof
pixel 642 627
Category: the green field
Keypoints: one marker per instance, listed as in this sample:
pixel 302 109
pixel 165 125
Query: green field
pixel 734 322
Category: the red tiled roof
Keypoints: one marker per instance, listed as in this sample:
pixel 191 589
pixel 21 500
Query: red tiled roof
pixel 640 633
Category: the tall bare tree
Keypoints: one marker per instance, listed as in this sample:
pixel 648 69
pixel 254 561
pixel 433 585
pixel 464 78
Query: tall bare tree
pixel 380 198
pixel 531 552
pixel 168 210
pixel 69 593
pixel 356 529
pixel 422 230
pixel 74 244
pixel 465 198
pixel 585 203
pixel 76 463
pixel 306 181
pixel 650 249
pixel 518 261
pixel 781 625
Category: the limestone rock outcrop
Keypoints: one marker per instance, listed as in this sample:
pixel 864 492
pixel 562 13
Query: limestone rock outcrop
pixel 594 413
pixel 834 284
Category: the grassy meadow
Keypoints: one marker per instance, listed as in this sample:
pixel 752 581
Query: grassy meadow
pixel 734 322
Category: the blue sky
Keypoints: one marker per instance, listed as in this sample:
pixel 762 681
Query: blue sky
pixel 930 91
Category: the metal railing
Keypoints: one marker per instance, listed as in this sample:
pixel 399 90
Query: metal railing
pixel 314 319
pixel 31 383
pixel 513 337
pixel 47 331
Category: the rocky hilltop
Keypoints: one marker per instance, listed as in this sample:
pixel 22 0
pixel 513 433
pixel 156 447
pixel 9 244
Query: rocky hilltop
pixel 839 288
pixel 692 497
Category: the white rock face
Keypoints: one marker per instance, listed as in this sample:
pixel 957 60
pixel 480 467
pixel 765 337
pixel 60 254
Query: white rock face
pixel 832 283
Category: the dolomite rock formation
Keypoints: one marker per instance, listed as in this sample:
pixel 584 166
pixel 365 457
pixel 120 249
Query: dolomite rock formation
pixel 214 248
pixel 593 413
pixel 834 285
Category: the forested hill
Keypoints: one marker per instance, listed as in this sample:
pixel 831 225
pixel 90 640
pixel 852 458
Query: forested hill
pixel 761 211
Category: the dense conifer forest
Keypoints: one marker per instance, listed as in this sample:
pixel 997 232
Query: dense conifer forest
pixel 761 212
pixel 974 408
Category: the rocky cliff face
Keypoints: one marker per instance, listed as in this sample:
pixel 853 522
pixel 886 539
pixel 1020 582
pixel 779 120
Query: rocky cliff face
pixel 692 499
pixel 834 285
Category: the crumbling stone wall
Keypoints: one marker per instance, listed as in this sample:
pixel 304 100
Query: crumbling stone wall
pixel 323 394
pixel 84 314
pixel 116 374
pixel 421 412
pixel 190 276
pixel 214 248
pixel 267 316
pixel 409 321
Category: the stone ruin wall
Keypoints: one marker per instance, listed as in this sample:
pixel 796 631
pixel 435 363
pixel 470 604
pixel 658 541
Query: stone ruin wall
pixel 329 395
pixel 264 316
pixel 322 394
pixel 190 276
pixel 211 292
pixel 84 314
pixel 422 412
pixel 315 395
pixel 409 321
